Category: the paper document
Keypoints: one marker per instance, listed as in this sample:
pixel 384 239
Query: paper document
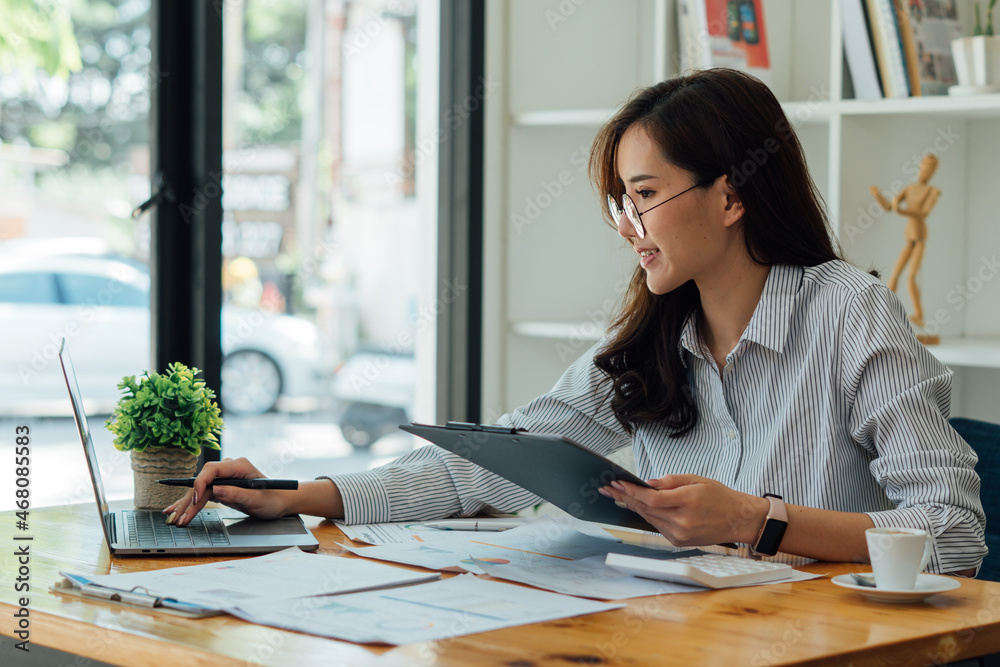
pixel 591 578
pixel 409 532
pixel 402 532
pixel 280 575
pixel 538 542
pixel 439 610
pixel 588 577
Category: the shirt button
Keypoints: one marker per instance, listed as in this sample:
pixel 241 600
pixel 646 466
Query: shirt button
pixel 731 433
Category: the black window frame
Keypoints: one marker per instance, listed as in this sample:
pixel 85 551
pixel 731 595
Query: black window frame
pixel 186 171
pixel 460 210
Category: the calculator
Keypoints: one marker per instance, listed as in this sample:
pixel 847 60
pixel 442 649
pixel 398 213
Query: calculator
pixel 708 570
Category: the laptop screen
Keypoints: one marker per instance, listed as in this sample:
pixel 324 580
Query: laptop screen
pixel 88 444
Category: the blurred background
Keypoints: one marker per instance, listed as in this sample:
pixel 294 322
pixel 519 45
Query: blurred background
pixel 321 219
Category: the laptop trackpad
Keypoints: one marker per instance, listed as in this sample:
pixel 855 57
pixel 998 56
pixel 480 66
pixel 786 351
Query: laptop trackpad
pixel 289 525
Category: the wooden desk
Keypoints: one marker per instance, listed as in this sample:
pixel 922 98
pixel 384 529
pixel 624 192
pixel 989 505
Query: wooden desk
pixel 811 622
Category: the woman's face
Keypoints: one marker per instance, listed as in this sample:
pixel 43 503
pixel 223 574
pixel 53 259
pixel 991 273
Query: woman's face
pixel 691 237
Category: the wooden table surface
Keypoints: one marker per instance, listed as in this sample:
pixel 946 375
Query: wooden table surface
pixel 810 622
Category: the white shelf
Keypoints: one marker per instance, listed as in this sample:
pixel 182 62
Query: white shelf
pixel 560 330
pixel 972 352
pixel 562 118
pixel 809 112
pixel 800 113
pixel 813 112
pixel 966 106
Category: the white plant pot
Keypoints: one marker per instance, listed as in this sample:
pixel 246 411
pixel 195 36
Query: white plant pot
pixel 961 53
pixel 977 64
pixel 986 60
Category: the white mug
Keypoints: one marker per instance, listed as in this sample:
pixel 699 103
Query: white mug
pixel 898 555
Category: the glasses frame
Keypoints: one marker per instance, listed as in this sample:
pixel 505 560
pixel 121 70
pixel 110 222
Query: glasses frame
pixel 634 215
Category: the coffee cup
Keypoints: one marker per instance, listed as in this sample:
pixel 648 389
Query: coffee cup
pixel 898 555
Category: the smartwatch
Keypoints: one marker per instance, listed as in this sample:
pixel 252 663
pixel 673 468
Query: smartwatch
pixel 769 537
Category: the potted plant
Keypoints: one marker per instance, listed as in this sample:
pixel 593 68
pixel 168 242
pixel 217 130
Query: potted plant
pixel 977 58
pixel 164 419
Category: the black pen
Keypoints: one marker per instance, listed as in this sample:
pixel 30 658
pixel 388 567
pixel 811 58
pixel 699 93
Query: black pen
pixel 261 483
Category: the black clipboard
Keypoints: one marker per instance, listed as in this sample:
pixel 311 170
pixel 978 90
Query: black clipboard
pixel 563 472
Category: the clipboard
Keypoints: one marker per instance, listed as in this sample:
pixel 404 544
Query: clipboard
pixel 81 587
pixel 563 472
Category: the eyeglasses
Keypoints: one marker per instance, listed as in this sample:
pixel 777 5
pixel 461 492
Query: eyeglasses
pixel 633 213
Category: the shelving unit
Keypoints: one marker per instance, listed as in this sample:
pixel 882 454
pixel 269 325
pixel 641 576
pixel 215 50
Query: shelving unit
pixel 558 272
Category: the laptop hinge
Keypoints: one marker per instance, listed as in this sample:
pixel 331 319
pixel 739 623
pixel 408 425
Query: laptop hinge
pixel 112 527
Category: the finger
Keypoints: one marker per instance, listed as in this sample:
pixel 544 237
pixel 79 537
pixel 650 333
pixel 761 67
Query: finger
pixel 213 470
pixel 194 502
pixel 675 481
pixel 634 490
pixel 185 514
pixel 202 492
pixel 621 499
pixel 646 502
pixel 237 498
pixel 175 510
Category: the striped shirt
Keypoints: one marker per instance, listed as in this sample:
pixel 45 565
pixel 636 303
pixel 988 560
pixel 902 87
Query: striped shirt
pixel 828 400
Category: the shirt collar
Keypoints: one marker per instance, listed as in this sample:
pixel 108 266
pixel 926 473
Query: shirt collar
pixel 690 340
pixel 771 319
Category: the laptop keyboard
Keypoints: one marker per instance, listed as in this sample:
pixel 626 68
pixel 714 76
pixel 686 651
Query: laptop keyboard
pixel 150 529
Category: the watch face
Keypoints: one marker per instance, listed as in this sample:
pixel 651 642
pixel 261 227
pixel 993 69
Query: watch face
pixel 770 537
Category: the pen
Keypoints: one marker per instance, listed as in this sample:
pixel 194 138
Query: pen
pixel 288 484
pixel 474 524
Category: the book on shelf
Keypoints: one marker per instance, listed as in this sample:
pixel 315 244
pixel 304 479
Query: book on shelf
pixel 909 47
pixel 887 44
pixel 933 26
pixel 724 33
pixel 858 50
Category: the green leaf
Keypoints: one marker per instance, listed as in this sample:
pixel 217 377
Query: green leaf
pixel 166 410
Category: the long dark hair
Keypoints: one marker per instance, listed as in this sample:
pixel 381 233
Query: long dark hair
pixel 709 123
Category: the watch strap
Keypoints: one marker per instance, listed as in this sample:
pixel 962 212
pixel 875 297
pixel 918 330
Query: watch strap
pixel 771 533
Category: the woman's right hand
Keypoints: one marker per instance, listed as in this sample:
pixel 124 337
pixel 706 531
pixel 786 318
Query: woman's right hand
pixel 259 503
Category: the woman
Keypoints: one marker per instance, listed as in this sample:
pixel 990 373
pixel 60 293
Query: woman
pixel 747 360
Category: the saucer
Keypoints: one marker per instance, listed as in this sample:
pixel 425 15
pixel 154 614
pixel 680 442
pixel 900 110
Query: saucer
pixel 927 585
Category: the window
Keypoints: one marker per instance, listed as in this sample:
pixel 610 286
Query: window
pixel 322 230
pixel 329 237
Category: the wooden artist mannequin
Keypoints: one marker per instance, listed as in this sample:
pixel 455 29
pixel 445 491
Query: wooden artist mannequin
pixel 920 199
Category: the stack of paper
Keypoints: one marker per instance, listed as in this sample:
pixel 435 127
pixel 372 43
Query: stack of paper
pixel 458 606
pixel 364 601
pixel 218 586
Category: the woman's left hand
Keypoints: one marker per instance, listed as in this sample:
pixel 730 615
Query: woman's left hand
pixel 693 511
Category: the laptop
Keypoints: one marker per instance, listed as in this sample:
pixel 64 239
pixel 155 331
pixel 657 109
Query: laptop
pixel 146 532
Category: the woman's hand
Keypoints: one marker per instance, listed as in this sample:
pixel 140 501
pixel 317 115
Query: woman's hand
pixel 693 511
pixel 263 504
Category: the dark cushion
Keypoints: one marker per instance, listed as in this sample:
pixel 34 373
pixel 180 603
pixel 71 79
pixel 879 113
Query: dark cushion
pixel 985 439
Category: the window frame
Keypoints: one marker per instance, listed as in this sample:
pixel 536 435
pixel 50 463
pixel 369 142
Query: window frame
pixel 460 213
pixel 186 172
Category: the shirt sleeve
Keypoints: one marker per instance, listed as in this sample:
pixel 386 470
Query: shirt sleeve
pixel 899 399
pixel 430 483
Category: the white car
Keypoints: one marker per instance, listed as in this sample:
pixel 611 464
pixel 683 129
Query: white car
pixel 100 304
